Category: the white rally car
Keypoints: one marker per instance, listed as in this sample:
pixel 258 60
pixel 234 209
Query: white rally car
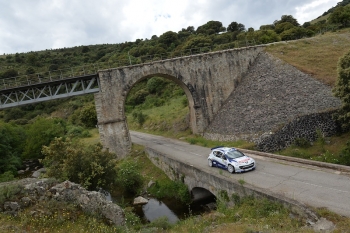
pixel 230 159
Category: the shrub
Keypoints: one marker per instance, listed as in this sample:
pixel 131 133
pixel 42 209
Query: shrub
pixel 161 223
pixel 344 156
pixel 129 177
pixel 90 166
pixel 39 134
pixel 139 117
pixel 8 191
pixel 342 89
pixel 88 116
pixel 6 176
pixel 171 189
pixel 11 146
pixel 302 142
pixel 156 85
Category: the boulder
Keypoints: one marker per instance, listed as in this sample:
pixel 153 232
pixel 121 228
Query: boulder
pixel 38 172
pixel 140 201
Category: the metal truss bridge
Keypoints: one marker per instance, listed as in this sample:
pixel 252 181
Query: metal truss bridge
pixel 36 88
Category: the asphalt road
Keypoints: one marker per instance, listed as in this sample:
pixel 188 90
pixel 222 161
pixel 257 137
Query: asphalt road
pixel 311 185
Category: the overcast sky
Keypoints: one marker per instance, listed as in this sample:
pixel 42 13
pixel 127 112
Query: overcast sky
pixel 33 25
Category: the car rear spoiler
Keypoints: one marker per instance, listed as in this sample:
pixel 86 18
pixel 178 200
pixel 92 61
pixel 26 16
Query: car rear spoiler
pixel 216 147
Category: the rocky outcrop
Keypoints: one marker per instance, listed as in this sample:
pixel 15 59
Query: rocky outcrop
pixel 32 191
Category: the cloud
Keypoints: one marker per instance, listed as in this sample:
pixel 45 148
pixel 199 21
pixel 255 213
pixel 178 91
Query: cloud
pixel 40 24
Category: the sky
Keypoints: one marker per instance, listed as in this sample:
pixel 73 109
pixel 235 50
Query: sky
pixel 34 25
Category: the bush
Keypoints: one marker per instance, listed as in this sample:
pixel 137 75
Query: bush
pixel 342 89
pixel 8 191
pixel 6 176
pixel 89 166
pixel 302 142
pixel 40 134
pixel 88 116
pixel 129 177
pixel 171 189
pixel 344 156
pixel 12 140
pixel 139 117
pixel 156 85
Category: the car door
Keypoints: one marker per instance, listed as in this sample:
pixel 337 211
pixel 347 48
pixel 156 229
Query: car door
pixel 219 157
pixel 216 158
pixel 224 161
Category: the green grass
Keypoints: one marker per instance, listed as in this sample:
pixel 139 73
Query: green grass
pixel 167 120
pixel 325 150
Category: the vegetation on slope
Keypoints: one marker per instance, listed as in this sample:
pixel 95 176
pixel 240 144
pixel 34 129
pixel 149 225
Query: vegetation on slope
pixel 159 106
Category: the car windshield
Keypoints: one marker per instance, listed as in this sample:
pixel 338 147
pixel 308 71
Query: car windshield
pixel 233 154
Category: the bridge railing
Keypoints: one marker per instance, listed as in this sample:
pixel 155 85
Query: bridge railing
pixel 90 69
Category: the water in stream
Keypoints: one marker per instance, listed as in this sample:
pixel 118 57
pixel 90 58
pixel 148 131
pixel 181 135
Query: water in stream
pixel 171 208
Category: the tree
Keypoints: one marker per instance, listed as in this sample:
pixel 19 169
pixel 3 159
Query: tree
pixel 88 116
pixel 199 41
pixel 289 19
pixel 341 15
pixel 85 49
pixel 295 33
pixel 235 27
pixel 40 134
pixel 168 38
pixel 9 73
pixel 211 27
pixel 342 89
pixel 267 27
pixel 267 36
pixel 11 146
pixel 281 27
pixel 32 59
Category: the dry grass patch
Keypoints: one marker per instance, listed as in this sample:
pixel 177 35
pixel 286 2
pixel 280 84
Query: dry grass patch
pixel 317 56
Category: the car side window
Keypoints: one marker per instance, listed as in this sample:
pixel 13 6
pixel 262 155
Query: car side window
pixel 218 154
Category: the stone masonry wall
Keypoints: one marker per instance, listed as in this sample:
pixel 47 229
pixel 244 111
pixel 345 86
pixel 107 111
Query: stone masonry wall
pixel 305 127
pixel 271 95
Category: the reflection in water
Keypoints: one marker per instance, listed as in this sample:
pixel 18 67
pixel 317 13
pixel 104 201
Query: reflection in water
pixel 155 209
pixel 170 208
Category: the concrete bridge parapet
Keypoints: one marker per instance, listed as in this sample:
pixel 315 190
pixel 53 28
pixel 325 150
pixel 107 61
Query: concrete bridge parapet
pixel 216 183
pixel 207 79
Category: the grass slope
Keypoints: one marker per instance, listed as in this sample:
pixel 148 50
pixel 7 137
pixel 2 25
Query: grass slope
pixel 317 56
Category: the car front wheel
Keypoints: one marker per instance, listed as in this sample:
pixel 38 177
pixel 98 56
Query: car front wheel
pixel 231 169
pixel 210 163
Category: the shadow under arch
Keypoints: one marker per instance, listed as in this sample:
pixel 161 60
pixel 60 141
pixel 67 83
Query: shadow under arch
pixel 202 194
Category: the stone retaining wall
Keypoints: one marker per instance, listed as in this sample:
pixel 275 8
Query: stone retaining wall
pixel 304 127
pixel 275 96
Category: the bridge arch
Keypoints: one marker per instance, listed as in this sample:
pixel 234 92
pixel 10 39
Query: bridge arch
pixel 192 99
pixel 207 79
pixel 199 193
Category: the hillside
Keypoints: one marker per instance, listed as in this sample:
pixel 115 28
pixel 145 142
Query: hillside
pixel 317 56
pixel 159 106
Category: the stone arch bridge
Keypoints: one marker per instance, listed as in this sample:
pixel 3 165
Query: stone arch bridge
pixel 207 79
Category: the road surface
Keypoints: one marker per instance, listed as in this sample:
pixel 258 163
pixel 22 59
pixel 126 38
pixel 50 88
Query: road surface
pixel 311 185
